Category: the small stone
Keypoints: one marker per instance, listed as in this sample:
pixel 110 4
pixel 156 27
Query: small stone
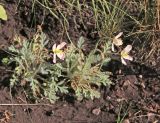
pixel 140 76
pixel 96 111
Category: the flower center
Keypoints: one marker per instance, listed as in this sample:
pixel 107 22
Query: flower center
pixel 124 54
pixel 57 51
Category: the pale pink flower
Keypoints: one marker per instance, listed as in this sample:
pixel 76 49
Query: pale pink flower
pixel 125 54
pixel 117 41
pixel 57 50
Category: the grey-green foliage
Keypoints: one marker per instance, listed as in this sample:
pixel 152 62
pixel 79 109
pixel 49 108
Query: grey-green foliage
pixel 54 83
pixel 44 79
pixel 28 60
pixel 84 71
pixel 33 70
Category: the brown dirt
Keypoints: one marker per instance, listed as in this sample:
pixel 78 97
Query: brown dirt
pixel 136 88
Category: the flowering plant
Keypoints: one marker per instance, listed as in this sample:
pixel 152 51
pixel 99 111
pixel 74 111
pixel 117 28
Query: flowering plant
pixel 79 71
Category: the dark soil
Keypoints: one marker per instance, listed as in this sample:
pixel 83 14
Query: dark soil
pixel 136 88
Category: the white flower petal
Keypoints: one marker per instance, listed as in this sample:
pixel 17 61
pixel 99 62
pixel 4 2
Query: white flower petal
pixel 118 42
pixel 54 58
pixel 60 46
pixel 127 48
pixel 61 55
pixel 54 47
pixel 128 58
pixel 123 61
pixel 113 47
pixel 119 35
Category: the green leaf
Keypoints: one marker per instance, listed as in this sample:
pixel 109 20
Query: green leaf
pixel 106 61
pixel 3 14
pixel 80 42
